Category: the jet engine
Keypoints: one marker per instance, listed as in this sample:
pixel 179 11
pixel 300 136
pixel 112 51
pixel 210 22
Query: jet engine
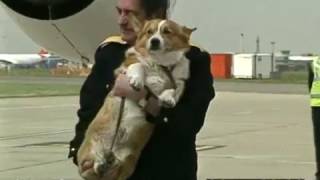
pixel 70 28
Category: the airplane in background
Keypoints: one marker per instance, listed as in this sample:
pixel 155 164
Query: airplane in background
pixel 24 59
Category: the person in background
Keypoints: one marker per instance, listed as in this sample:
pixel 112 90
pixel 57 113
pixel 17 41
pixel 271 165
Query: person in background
pixel 314 89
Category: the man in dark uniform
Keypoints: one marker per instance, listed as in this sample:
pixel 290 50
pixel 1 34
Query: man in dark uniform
pixel 171 151
pixel 314 88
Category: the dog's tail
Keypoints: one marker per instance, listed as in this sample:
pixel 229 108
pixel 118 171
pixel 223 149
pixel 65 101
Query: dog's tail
pixel 104 163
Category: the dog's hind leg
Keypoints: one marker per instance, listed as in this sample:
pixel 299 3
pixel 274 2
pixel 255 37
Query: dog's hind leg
pixel 128 167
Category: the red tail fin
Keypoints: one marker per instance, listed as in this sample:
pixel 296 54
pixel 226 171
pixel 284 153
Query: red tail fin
pixel 43 52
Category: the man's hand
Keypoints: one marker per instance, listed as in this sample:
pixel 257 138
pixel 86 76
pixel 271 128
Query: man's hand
pixel 122 88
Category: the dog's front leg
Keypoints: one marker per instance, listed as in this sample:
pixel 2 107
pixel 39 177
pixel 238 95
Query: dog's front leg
pixel 180 74
pixel 180 83
pixel 136 75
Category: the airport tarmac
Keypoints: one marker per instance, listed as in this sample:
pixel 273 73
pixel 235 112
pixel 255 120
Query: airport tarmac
pixel 246 135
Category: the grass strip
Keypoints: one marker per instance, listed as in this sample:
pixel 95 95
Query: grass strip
pixel 34 90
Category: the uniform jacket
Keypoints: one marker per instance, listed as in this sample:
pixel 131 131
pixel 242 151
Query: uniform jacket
pixel 171 151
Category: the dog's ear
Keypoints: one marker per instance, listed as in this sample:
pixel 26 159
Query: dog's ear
pixel 135 22
pixel 187 30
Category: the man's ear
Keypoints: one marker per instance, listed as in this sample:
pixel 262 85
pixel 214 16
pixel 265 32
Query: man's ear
pixel 135 22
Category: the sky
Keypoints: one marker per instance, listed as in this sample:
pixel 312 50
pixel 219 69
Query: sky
pixel 292 24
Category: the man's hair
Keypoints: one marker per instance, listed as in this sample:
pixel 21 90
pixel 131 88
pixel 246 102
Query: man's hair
pixel 156 8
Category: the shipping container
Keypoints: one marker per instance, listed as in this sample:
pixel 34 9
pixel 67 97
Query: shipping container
pixel 252 66
pixel 221 65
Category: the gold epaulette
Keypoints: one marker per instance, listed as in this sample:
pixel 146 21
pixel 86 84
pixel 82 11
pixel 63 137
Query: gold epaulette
pixel 116 39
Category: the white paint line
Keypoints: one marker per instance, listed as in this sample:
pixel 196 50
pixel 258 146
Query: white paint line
pixel 38 107
pixel 269 158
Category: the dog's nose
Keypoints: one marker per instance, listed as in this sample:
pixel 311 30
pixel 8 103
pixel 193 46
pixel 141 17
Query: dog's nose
pixel 155 43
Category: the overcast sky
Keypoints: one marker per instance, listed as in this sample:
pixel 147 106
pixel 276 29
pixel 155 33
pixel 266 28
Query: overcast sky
pixel 292 24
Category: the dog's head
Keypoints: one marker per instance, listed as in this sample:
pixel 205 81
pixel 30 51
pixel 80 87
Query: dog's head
pixel 160 35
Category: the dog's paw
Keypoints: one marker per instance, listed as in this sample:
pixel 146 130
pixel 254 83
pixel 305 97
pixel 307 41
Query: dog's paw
pixel 86 165
pixel 119 71
pixel 136 81
pixel 167 98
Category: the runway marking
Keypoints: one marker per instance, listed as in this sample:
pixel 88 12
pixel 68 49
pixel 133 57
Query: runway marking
pixel 248 131
pixel 30 135
pixel 208 147
pixel 269 158
pixel 38 107
pixel 44 144
pixel 32 165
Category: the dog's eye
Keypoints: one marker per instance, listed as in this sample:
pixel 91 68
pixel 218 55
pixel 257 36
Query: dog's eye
pixel 166 31
pixel 149 31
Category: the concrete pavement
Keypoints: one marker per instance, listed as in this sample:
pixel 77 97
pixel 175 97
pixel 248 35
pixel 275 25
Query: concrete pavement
pixel 246 135
pixel 257 136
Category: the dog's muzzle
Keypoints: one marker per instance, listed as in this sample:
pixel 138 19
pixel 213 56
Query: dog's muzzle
pixel 154 44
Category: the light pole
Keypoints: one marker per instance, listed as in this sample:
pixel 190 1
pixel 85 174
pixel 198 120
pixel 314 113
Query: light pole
pixel 272 55
pixel 241 43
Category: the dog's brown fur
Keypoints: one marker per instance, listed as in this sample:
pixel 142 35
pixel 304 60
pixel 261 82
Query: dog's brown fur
pixel 100 133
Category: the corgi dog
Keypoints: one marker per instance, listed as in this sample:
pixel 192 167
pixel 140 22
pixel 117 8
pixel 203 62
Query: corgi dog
pixel 156 62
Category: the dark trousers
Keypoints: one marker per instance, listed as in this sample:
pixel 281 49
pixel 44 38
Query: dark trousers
pixel 316 133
